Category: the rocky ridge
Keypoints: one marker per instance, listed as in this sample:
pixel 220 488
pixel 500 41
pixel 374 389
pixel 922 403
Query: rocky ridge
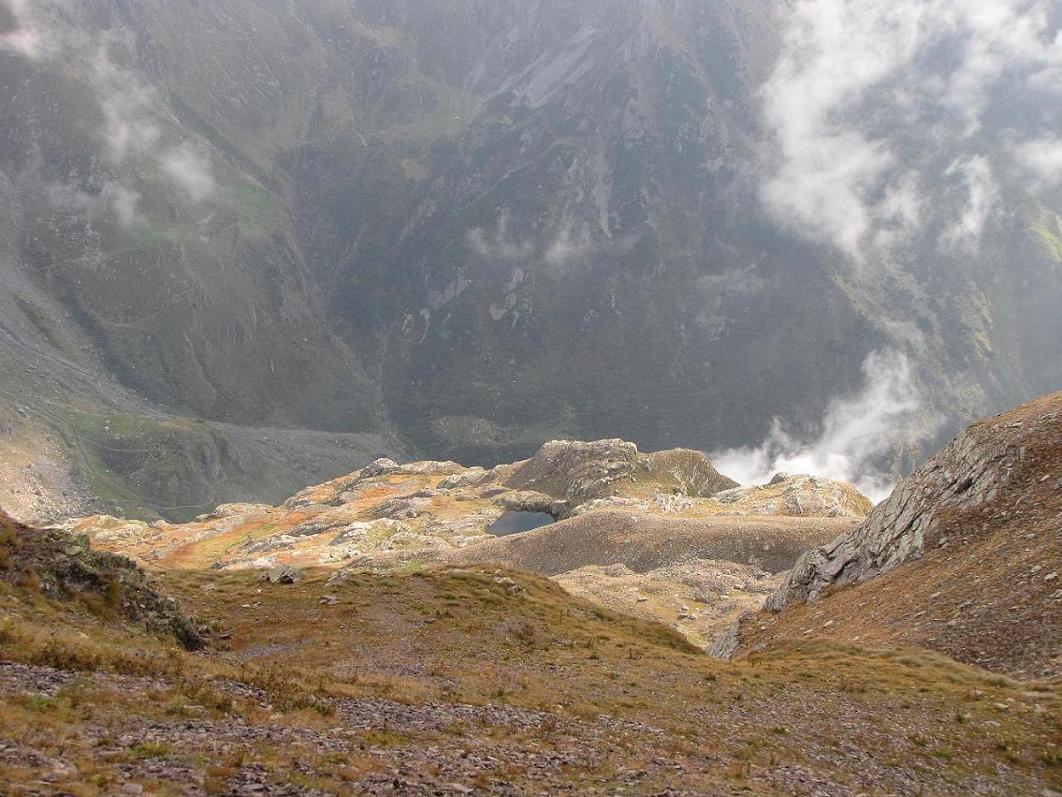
pixel 669 517
pixel 584 472
pixel 964 557
pixel 979 473
pixel 59 566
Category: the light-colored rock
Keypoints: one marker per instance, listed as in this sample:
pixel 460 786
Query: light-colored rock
pixel 312 528
pixel 277 542
pixel 354 532
pixel 396 509
pixel 525 501
pixel 379 467
pixel 231 510
pixel 795 496
pixel 581 472
pixel 284 574
pixel 725 645
pixel 967 473
pixel 465 478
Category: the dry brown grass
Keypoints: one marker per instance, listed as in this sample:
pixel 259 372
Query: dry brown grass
pixel 464 635
pixel 987 589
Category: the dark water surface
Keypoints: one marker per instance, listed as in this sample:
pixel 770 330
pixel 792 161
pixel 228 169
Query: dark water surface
pixel 515 522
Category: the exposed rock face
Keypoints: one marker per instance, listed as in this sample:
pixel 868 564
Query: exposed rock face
pixel 987 459
pixel 687 472
pixel 424 506
pixel 965 558
pixel 344 489
pixel 585 471
pixel 233 510
pixel 787 496
pixel 725 645
pixel 581 471
pixel 797 495
pixel 64 567
pixel 525 501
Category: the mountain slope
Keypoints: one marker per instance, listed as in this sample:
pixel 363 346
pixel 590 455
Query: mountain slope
pixel 965 557
pixel 449 681
pixel 149 284
pixel 466 228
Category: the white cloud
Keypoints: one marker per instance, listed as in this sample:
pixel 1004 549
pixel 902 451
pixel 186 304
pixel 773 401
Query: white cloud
pixel 501 244
pixel 114 198
pixel 569 244
pixel 982 194
pixel 124 202
pixel 129 123
pixel 189 170
pixel 854 107
pixel 857 433
pixel 834 51
pixel 132 129
pixel 1041 158
pixel 999 35
pixel 45 30
pixel 27 38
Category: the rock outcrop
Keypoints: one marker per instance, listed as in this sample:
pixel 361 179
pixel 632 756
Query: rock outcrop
pixel 284 574
pixel 783 496
pixel 63 567
pixel 657 514
pixel 421 509
pixel 965 558
pixel 987 461
pixel 581 472
pixel 797 495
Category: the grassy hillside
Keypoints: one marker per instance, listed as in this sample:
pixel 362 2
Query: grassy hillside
pixel 475 680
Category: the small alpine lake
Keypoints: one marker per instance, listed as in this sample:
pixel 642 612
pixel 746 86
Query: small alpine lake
pixel 516 522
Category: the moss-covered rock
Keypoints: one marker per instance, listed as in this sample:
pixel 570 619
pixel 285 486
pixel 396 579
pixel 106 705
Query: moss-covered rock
pixel 60 566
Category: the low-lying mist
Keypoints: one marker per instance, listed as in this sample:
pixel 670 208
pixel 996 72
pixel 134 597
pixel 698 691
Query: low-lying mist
pixel 858 433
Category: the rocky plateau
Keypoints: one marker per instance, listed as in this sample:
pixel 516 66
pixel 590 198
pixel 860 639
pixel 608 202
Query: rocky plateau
pixel 663 536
